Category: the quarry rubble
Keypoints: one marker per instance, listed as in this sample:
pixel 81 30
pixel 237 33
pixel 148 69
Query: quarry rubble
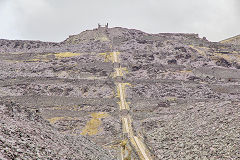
pixel 59 100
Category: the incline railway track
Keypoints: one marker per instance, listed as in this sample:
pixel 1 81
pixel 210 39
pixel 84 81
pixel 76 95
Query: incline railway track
pixel 130 141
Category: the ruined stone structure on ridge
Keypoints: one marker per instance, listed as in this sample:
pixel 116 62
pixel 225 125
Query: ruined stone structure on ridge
pixel 102 28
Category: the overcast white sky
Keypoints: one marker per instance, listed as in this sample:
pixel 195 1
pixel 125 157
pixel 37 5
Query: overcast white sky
pixel 54 20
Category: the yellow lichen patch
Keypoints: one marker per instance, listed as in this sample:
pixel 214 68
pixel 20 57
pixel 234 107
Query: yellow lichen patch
pixel 171 99
pixel 55 119
pixel 104 38
pixel 38 58
pixel 119 72
pixel 63 74
pixel 220 55
pixel 66 54
pixel 33 60
pixel 186 71
pixel 232 57
pixel 15 53
pixel 200 50
pixel 29 60
pixel 111 57
pixel 92 127
pixel 229 57
pixel 231 40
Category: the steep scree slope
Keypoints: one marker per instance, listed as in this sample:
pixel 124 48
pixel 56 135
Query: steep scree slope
pixel 184 95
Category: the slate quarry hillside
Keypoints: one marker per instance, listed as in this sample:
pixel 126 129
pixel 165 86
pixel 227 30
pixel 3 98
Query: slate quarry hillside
pixel 233 40
pixel 60 101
